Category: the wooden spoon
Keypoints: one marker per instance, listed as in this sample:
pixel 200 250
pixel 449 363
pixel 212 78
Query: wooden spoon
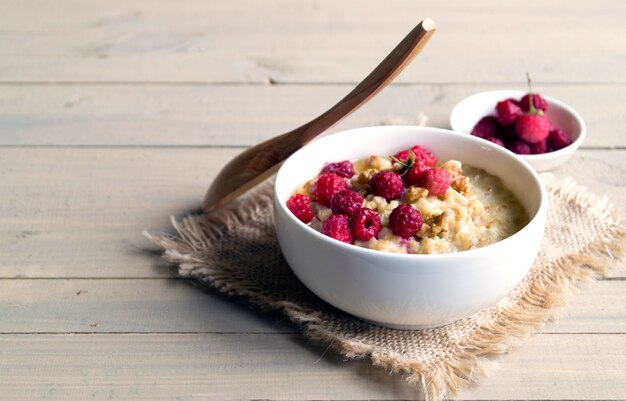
pixel 260 161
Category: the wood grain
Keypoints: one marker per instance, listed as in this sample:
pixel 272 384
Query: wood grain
pixel 129 306
pixel 313 41
pixel 72 212
pixel 242 366
pixel 83 218
pixel 259 162
pixel 173 91
pixel 243 115
pixel 176 306
pixel 59 198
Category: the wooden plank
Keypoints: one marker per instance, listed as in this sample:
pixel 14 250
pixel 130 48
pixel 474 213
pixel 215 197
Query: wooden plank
pixel 228 367
pixel 243 115
pixel 80 212
pixel 599 308
pixel 174 306
pixel 72 212
pixel 559 367
pixel 128 306
pixel 314 41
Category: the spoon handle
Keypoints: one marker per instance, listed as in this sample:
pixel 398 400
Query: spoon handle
pixel 260 161
pixel 379 78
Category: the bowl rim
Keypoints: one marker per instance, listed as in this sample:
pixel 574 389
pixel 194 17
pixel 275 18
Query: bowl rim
pixel 535 220
pixel 506 93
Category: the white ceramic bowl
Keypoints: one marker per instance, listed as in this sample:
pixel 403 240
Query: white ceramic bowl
pixel 468 111
pixel 408 291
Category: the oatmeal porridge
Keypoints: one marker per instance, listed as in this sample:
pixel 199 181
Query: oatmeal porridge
pixel 409 203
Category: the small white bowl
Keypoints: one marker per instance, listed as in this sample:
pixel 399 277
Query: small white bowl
pixel 470 110
pixel 399 290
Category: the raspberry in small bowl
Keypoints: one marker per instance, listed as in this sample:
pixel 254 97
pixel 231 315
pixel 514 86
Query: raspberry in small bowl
pixel 544 137
pixel 345 254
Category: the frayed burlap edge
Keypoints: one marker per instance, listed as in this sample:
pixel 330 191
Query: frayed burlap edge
pixel 471 359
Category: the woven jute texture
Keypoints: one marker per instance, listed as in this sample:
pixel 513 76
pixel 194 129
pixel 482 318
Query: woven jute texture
pixel 236 253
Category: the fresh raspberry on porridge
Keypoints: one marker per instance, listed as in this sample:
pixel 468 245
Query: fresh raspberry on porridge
pixel 408 203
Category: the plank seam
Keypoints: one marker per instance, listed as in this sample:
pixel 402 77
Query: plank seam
pixel 72 333
pixel 294 83
pixel 618 278
pixel 190 146
pixel 186 333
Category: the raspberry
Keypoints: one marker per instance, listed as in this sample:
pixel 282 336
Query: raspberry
pixel 412 176
pixel 507 112
pixel 485 128
pixel 402 155
pixel 507 134
pixel 424 155
pixel 538 148
pixel 326 186
pixel 558 139
pixel 342 169
pixel 515 102
pixel 495 140
pixel 436 180
pixel 337 226
pixel 365 224
pixel 387 184
pixel 532 127
pixel 520 147
pixel 405 221
pixel 539 102
pixel 420 153
pixel 346 203
pixel 300 206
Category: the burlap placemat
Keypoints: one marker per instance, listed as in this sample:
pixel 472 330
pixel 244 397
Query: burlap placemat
pixel 236 253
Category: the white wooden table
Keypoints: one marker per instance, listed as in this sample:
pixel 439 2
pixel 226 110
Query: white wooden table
pixel 116 114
